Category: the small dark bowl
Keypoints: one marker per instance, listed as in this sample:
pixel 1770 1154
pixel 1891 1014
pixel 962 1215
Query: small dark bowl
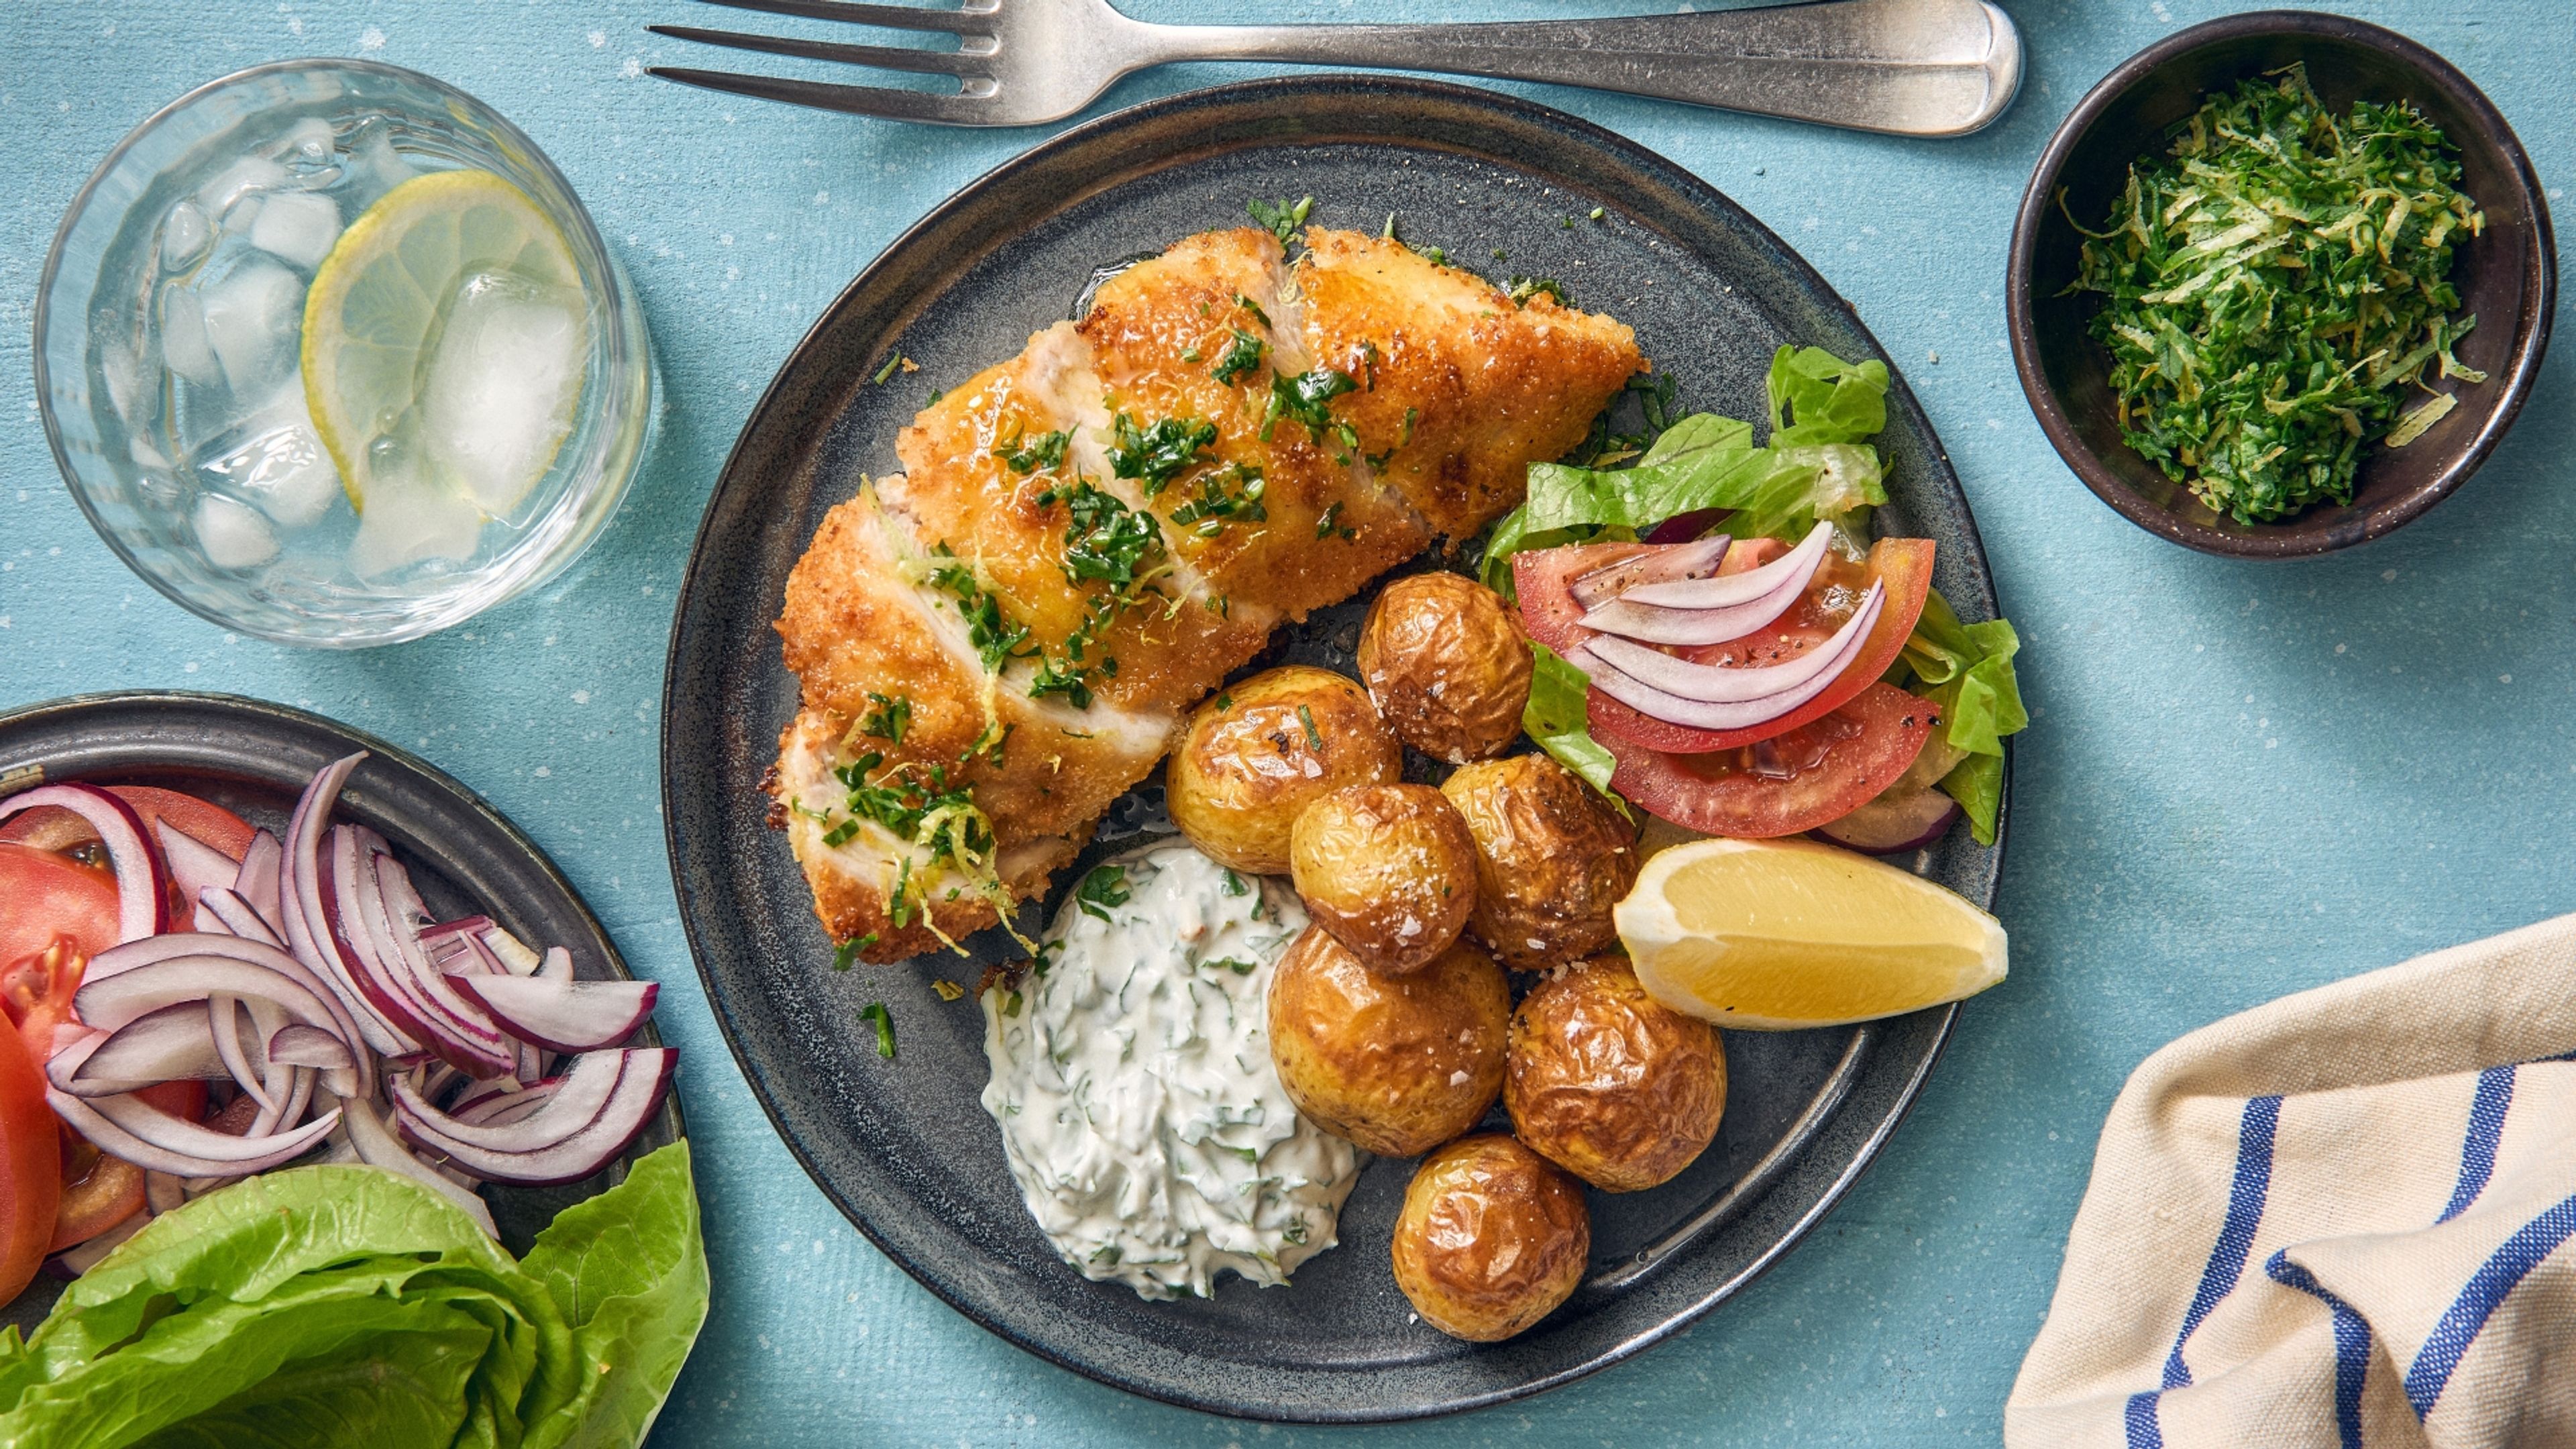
pixel 2508 277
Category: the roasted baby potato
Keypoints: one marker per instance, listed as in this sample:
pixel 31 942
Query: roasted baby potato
pixel 1397 1064
pixel 1390 870
pixel 1552 858
pixel 1609 1085
pixel 1491 1239
pixel 1448 665
pixel 1257 753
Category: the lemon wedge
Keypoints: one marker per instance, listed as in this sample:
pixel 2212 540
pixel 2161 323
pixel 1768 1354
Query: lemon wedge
pixel 445 338
pixel 1782 935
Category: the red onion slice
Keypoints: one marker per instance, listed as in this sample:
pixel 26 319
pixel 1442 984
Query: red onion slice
pixel 1731 589
pixel 461 926
pixel 108 1003
pixel 564 1141
pixel 509 950
pixel 169 1045
pixel 256 882
pixel 134 1130
pixel 308 929
pixel 377 1146
pixel 563 1015
pixel 142 887
pixel 299 1045
pixel 1660 704
pixel 557 965
pixel 223 1027
pixel 194 865
pixel 1676 564
pixel 500 1109
pixel 1723 684
pixel 394 915
pixel 222 908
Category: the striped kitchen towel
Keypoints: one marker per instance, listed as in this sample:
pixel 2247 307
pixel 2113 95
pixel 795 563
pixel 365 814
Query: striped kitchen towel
pixel 2341 1219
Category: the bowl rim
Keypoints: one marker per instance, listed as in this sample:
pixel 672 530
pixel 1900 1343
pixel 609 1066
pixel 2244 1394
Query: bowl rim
pixel 618 299
pixel 2531 335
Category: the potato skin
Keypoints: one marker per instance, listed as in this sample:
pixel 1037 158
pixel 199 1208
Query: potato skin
pixel 1448 664
pixel 1609 1085
pixel 1247 764
pixel 1491 1239
pixel 1397 1064
pixel 1552 858
pixel 1390 870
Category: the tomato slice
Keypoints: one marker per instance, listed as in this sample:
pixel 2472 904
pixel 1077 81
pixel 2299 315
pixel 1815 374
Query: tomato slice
pixel 31 1167
pixel 52 828
pixel 36 991
pixel 44 895
pixel 1810 775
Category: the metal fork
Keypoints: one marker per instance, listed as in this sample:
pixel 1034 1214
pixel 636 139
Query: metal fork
pixel 1905 67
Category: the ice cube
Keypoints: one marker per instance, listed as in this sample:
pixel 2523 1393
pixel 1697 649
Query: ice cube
pixel 307 142
pixel 233 535
pixel 183 336
pixel 122 371
pixel 298 226
pixel 184 234
pixel 275 460
pixel 503 384
pixel 251 321
pixel 242 178
pixel 409 519
pixel 375 167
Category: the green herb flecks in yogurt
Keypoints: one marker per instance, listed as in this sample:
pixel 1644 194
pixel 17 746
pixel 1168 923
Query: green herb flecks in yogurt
pixel 1132 1081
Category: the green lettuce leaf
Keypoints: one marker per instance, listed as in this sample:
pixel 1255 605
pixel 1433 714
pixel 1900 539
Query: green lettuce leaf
pixel 342 1305
pixel 1555 718
pixel 629 1269
pixel 1816 465
pixel 1967 669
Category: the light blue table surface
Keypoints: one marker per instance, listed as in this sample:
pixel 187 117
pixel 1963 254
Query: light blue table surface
pixel 2240 779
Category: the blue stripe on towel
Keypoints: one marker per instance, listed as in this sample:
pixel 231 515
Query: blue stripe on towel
pixel 2486 1129
pixel 2236 1231
pixel 2352 1344
pixel 2477 1302
pixel 2226 1264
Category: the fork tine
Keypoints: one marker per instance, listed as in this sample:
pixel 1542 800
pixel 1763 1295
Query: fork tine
pixel 893 17
pixel 886 57
pixel 858 100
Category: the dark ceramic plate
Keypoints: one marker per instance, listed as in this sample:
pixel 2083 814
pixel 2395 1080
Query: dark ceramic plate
pixel 2507 277
pixel 902 1145
pixel 255 758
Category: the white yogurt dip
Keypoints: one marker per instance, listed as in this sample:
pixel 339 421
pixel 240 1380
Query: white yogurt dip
pixel 1132 1081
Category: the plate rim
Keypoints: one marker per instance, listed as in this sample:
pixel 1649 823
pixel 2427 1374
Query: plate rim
pixel 1700 196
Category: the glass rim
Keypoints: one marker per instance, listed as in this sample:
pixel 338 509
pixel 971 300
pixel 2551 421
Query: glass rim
pixel 584 235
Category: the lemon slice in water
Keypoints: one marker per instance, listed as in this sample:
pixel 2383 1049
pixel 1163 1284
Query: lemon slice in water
pixel 445 341
pixel 1782 934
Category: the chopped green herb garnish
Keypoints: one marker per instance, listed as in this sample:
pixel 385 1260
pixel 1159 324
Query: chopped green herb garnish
pixel 875 1011
pixel 891 363
pixel 1253 307
pixel 1155 455
pixel 1105 887
pixel 1235 964
pixel 997 639
pixel 1011 1004
pixel 2275 282
pixel 1294 1232
pixel 839 835
pixel 1234 885
pixel 1046 450
pixel 1596 213
pixel 1302 399
pixel 1524 288
pixel 845 955
pixel 1106 539
pixel 1329 522
pixel 886 718
pixel 1241 355
pixel 1314 737
pixel 1233 491
pixel 1280 217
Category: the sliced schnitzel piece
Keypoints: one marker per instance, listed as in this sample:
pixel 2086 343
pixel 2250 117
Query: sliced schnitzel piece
pixel 955 776
pixel 996 476
pixel 1224 442
pixel 1280 517
pixel 1461 389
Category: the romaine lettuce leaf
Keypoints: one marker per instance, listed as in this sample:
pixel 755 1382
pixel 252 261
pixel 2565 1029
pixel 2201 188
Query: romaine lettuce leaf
pixel 1816 465
pixel 343 1305
pixel 1555 717
pixel 1967 669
